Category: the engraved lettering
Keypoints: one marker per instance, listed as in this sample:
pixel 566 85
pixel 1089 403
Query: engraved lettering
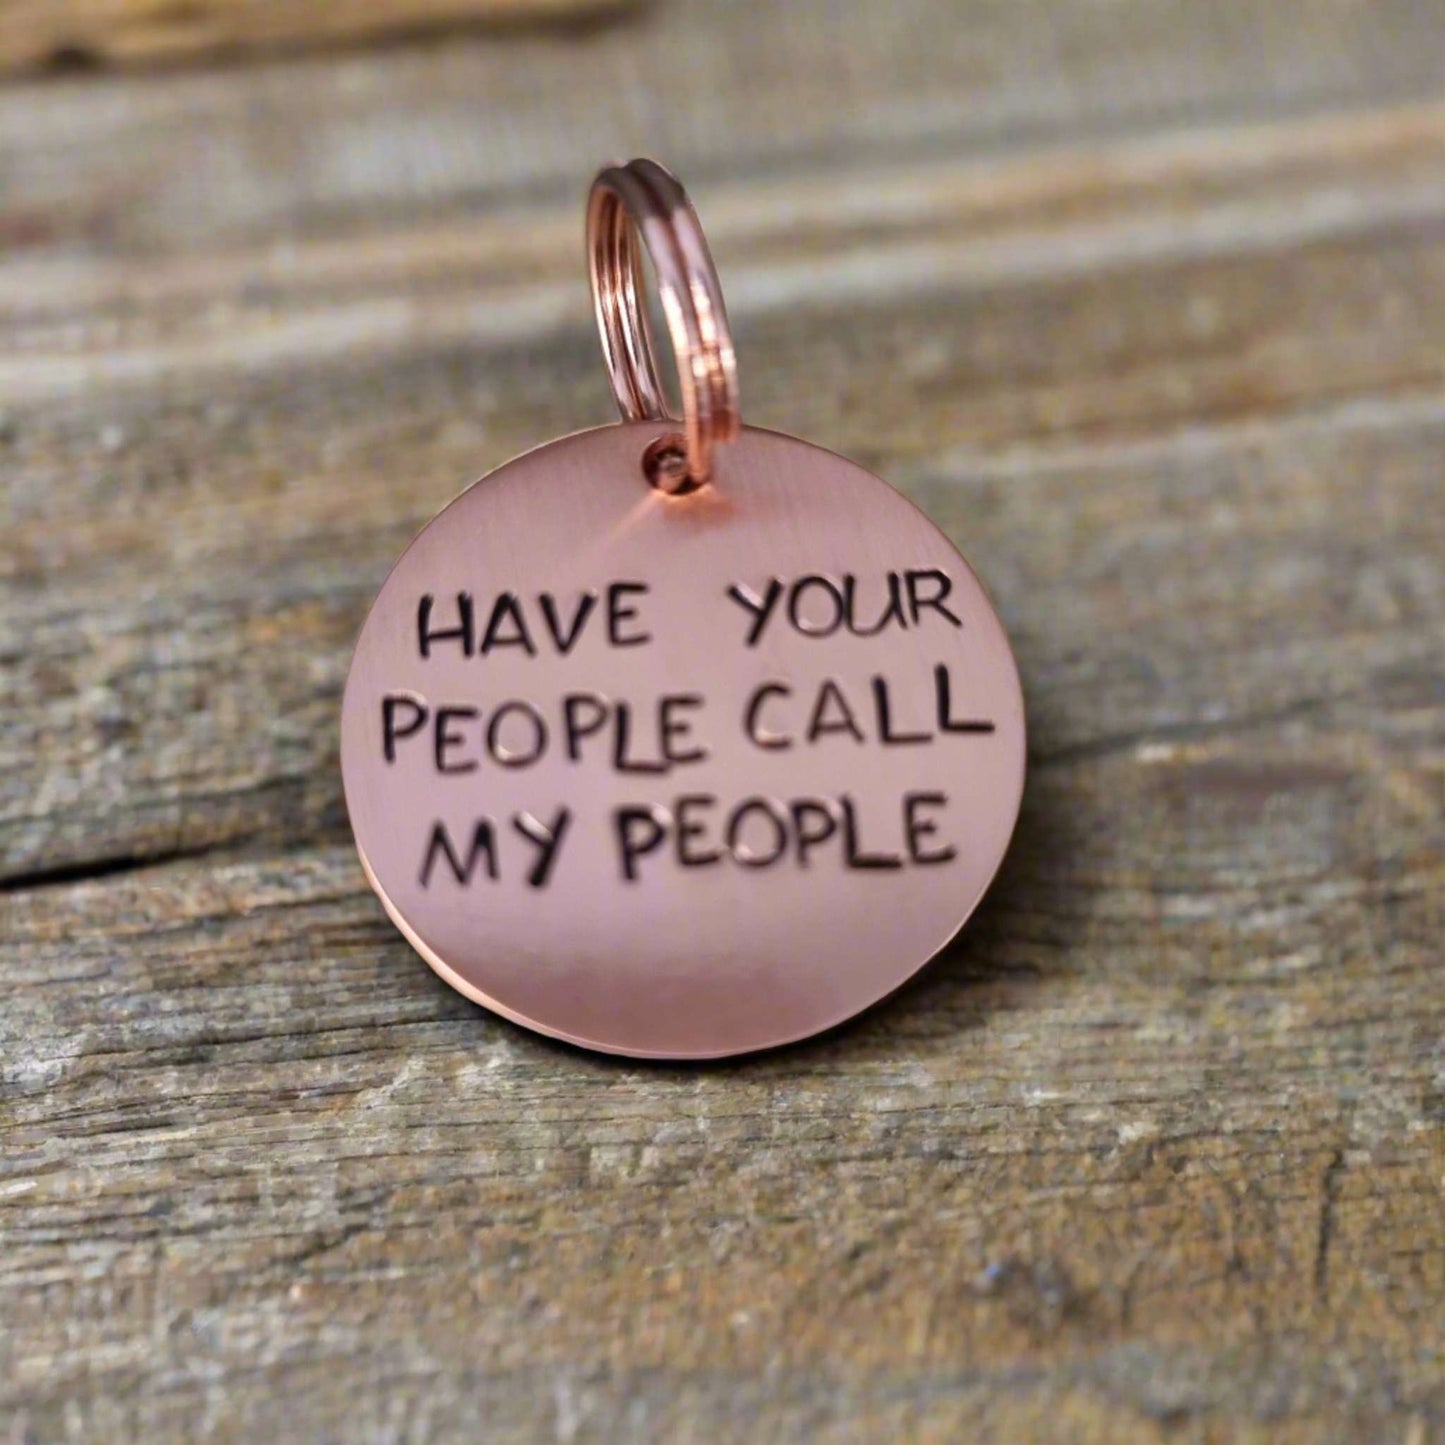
pixel 830 697
pixel 917 828
pixel 764 737
pixel 776 821
pixel 761 608
pixel 942 585
pixel 444 739
pixel 886 735
pixel 640 831
pixel 483 849
pixel 546 838
pixel 892 612
pixel 391 731
pixel 814 821
pixel 695 830
pixel 620 612
pixel 507 610
pixel 566 639
pixel 689 829
pixel 462 632
pixel 517 757
pixel 819 606
pixel 760 832
pixel 853 854
pixel 674 729
pixel 947 723
pixel 583 713
pixel 833 610
pixel 622 758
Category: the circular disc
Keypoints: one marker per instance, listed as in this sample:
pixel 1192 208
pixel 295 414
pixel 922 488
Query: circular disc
pixel 681 776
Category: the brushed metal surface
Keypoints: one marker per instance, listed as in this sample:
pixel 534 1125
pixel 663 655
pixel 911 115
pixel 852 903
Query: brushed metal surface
pixel 583 879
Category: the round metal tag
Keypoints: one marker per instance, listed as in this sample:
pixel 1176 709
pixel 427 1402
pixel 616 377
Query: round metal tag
pixel 681 776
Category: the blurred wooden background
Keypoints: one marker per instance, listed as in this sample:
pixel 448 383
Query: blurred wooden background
pixel 68 34
pixel 1144 301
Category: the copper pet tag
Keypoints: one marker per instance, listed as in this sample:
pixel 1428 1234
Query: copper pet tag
pixel 685 769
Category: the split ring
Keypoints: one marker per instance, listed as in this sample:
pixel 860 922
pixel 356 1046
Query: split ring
pixel 642 200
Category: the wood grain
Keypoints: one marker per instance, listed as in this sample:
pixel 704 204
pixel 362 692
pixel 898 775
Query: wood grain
pixel 35 34
pixel 1155 1152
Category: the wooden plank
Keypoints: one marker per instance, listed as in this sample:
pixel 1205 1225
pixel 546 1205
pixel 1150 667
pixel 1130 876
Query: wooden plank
pixel 1159 1134
pixel 268 155
pixel 1015 336
pixel 1093 1177
pixel 513 274
pixel 1155 1152
pixel 35 34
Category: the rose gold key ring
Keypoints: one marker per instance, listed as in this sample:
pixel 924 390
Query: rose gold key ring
pixel 588 823
pixel 642 199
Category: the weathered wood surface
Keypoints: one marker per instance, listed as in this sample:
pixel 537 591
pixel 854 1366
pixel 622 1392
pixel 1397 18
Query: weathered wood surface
pixel 1146 304
pixel 36 34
